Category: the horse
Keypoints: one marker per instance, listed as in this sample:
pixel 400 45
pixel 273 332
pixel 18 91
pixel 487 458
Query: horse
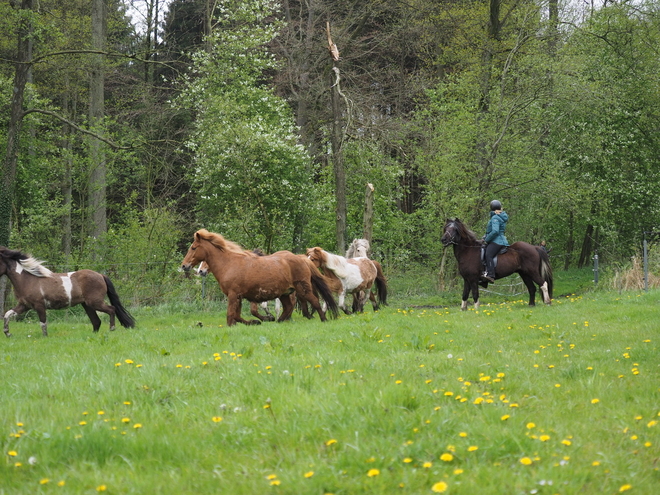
pixel 357 276
pixel 530 262
pixel 242 275
pixel 203 271
pixel 36 287
pixel 360 248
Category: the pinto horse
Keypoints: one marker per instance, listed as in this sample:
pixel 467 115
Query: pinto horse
pixel 242 275
pixel 360 248
pixel 530 262
pixel 36 287
pixel 357 276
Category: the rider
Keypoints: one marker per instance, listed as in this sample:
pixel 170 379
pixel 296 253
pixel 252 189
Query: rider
pixel 494 238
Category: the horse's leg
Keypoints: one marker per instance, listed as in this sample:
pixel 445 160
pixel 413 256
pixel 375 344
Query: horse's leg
pixel 546 294
pixel 19 309
pixel 342 302
pixel 362 299
pixel 466 294
pixel 374 303
pixel 234 312
pixel 306 294
pixel 287 309
pixel 94 318
pixel 41 311
pixel 529 282
pixel 254 311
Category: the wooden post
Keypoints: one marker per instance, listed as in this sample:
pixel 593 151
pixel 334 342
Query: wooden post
pixel 368 218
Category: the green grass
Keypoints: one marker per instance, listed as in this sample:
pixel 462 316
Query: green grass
pixel 310 408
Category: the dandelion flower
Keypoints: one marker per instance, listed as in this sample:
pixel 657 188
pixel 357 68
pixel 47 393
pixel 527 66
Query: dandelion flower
pixel 447 457
pixel 332 441
pixel 407 460
pixel 427 465
pixel 216 419
pixel 544 438
pixel 526 461
pixel 44 481
pixel 472 448
pixel 462 434
pixel 101 488
pixel 125 420
pixel 625 488
pixel 458 471
pixel 530 426
pixel 595 401
pixel 595 463
pixel 12 453
pixel 309 474
pixel 566 442
pixel 505 417
pixel 137 425
pixel 61 483
pixel 439 487
pixel 373 472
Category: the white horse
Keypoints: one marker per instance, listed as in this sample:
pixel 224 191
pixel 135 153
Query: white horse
pixel 359 248
pixel 357 275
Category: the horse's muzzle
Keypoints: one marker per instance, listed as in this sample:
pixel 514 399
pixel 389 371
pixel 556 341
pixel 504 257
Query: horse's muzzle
pixel 186 267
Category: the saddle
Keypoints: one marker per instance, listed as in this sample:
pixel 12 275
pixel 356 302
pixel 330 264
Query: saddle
pixel 483 255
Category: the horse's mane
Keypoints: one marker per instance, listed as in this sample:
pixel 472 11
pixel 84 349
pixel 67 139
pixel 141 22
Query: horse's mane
pixel 336 263
pixel 464 233
pixel 221 243
pixel 355 245
pixel 29 264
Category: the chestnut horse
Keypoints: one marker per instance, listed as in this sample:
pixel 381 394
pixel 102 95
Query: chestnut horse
pixel 357 276
pixel 530 262
pixel 203 271
pixel 242 275
pixel 36 287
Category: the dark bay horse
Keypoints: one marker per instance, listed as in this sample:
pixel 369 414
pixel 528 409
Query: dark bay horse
pixel 36 287
pixel 243 274
pixel 530 262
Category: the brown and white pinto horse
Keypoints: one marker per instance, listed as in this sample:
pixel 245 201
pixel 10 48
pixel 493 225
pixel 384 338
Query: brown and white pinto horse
pixel 530 262
pixel 36 287
pixel 360 248
pixel 242 275
pixel 357 276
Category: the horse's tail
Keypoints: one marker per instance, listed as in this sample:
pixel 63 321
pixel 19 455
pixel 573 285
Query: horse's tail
pixel 545 268
pixel 381 283
pixel 321 287
pixel 123 316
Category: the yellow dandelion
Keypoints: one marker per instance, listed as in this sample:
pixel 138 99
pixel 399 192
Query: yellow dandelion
pixel 373 472
pixel 472 448
pixel 530 426
pixel 332 441
pixel 275 483
pixel 125 420
pixel 447 457
pixel 462 434
pixel 61 483
pixel 427 465
pixel 101 488
pixel 595 401
pixel 566 442
pixel 271 477
pixel 505 417
pixel 625 488
pixel 44 481
pixel 407 460
pixel 128 361
pixel 544 438
pixel 216 419
pixel 458 471
pixel 309 474
pixel 595 463
pixel 439 487
pixel 12 453
pixel 526 461
pixel 137 425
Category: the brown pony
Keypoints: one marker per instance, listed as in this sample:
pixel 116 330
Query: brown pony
pixel 357 276
pixel 242 275
pixel 530 262
pixel 36 287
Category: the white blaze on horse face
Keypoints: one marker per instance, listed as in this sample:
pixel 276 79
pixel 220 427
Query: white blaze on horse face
pixel 68 286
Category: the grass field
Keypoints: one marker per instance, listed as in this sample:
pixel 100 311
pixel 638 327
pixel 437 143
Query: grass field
pixel 417 398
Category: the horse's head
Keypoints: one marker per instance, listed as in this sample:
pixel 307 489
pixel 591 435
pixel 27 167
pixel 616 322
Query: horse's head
pixel 450 234
pixel 195 255
pixel 316 256
pixel 203 269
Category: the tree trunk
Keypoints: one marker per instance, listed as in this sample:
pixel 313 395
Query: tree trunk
pixel 337 139
pixel 8 185
pixel 368 218
pixel 97 175
pixel 585 253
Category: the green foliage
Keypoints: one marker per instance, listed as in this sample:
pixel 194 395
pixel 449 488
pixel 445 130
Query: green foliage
pixel 391 402
pixel 251 176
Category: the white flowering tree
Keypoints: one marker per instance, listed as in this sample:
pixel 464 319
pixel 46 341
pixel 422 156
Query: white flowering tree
pixel 252 176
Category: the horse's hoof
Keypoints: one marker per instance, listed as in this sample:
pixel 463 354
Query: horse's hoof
pixel 254 322
pixel 7 334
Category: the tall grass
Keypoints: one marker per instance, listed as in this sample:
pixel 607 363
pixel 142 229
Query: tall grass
pixel 508 399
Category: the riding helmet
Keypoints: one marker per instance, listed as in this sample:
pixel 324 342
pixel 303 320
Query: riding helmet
pixel 495 205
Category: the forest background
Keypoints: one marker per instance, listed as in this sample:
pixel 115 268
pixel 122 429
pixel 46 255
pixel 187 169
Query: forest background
pixel 129 124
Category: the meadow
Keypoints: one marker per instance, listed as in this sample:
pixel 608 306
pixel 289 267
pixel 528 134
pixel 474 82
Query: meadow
pixel 416 398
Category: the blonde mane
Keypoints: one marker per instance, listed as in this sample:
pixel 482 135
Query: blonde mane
pixel 35 267
pixel 221 243
pixel 336 263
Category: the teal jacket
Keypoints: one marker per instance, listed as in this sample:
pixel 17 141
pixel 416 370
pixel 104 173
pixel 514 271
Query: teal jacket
pixel 496 227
